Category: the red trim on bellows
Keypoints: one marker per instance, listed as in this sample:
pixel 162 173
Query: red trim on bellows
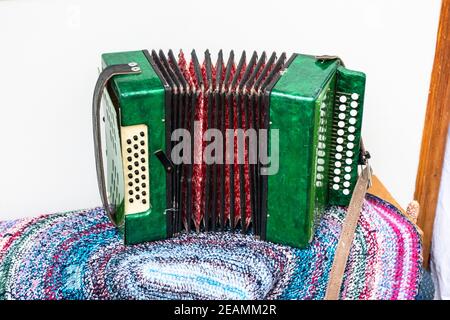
pixel 199 167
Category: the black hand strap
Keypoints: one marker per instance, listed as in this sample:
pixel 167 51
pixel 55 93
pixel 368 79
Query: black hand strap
pixel 102 81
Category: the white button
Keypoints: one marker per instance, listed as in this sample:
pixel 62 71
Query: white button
pixel 342 99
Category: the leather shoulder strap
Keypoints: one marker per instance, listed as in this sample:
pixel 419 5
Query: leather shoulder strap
pixel 347 234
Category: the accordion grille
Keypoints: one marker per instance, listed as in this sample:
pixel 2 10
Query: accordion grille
pixel 115 183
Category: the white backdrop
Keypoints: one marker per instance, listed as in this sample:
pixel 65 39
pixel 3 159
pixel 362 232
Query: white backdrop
pixel 50 51
pixel 440 243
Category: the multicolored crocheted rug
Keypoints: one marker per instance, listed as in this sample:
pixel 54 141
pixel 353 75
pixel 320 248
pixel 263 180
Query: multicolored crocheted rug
pixel 80 255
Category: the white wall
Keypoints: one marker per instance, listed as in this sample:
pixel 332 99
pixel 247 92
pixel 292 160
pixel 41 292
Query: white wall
pixel 50 51
pixel 440 243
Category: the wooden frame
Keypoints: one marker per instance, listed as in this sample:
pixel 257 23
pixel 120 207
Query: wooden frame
pixel 435 132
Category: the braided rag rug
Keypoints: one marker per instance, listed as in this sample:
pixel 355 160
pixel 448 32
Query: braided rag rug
pixel 80 255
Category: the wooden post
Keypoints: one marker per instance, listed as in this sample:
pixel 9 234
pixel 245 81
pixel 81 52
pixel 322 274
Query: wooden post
pixel 435 132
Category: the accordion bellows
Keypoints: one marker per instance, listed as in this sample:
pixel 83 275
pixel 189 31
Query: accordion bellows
pixel 284 144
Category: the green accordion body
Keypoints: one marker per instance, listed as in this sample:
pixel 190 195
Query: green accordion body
pixel 311 109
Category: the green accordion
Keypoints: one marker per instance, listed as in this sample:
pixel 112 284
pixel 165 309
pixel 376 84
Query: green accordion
pixel 258 145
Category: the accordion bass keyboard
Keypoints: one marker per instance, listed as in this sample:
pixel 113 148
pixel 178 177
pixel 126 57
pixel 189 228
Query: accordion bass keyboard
pixel 258 144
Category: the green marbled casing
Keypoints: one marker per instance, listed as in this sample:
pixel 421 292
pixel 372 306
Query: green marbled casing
pixel 142 101
pixel 304 107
